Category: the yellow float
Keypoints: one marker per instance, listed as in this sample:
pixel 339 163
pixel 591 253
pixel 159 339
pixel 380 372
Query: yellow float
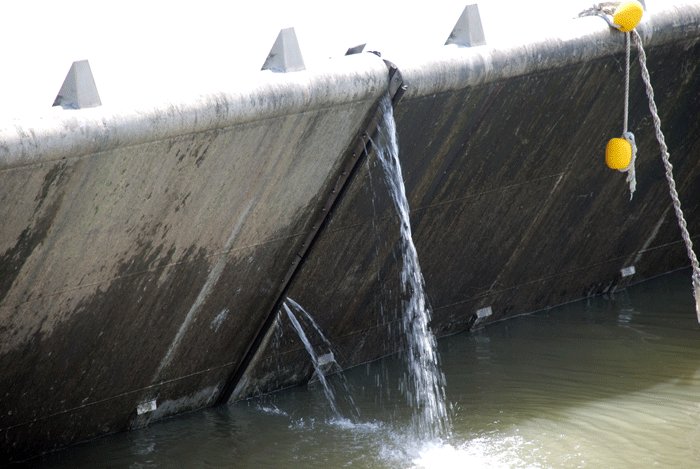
pixel 618 153
pixel 628 15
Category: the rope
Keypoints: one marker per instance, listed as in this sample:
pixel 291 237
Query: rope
pixel 631 173
pixel 629 136
pixel 669 171
pixel 606 10
pixel 627 82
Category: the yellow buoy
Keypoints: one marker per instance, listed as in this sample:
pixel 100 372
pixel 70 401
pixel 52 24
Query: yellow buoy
pixel 628 15
pixel 618 153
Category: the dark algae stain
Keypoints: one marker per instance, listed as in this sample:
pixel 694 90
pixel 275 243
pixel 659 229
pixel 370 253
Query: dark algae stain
pixel 109 346
pixel 14 258
pixel 49 180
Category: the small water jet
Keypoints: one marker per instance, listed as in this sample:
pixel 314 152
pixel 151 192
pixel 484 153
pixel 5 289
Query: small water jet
pixel 324 364
pixel 318 366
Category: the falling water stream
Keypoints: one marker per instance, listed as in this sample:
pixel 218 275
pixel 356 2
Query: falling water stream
pixel 424 384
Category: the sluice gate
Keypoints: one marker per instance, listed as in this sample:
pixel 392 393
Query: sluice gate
pixel 144 253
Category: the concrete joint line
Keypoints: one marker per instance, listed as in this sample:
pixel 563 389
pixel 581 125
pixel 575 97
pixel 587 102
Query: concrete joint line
pixel 395 89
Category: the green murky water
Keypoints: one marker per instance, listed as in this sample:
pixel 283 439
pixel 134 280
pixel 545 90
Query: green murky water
pixel 606 382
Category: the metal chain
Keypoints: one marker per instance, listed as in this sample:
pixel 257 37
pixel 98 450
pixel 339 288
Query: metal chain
pixel 669 171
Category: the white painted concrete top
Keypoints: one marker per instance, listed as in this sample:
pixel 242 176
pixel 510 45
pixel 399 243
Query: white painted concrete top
pixel 574 41
pixel 58 133
pixel 162 69
pixel 144 50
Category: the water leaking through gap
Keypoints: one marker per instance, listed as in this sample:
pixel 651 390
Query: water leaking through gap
pixel 319 372
pixel 423 384
pixel 323 364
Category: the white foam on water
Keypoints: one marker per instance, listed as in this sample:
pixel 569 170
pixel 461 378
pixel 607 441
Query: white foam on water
pixel 360 427
pixel 273 410
pixel 482 452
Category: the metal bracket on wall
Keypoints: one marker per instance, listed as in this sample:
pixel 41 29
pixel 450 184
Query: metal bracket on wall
pixel 626 275
pixel 355 156
pixel 479 316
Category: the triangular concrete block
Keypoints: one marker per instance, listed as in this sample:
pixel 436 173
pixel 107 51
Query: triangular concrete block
pixel 468 30
pixel 285 55
pixel 78 90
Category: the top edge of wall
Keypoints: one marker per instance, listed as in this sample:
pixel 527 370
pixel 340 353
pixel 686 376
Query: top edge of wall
pixel 60 134
pixel 575 41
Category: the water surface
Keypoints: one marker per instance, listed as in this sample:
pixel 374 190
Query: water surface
pixel 606 382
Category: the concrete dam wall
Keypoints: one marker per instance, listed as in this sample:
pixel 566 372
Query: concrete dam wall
pixel 144 254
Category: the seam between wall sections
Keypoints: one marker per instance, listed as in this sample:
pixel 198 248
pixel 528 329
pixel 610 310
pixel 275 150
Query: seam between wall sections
pixel 356 154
